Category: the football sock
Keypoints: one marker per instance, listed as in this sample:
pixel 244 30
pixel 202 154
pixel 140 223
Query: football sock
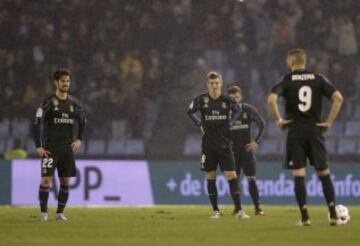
pixel 254 192
pixel 329 194
pixel 43 198
pixel 212 190
pixel 62 198
pixel 235 193
pixel 300 194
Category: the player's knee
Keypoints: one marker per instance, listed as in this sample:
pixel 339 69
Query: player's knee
pixel 46 181
pixel 65 181
pixel 250 178
pixel 230 175
pixel 299 172
pixel 323 172
pixel 211 175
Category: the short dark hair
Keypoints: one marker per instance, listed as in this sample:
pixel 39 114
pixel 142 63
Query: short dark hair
pixel 234 89
pixel 299 55
pixel 61 72
pixel 214 75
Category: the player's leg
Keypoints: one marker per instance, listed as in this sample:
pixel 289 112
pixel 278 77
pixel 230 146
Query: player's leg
pixel 63 197
pixel 300 194
pixel 296 161
pixel 209 165
pixel 235 194
pixel 250 173
pixel 44 190
pixel 212 191
pixel 47 171
pixel 66 169
pixel 328 190
pixel 227 163
pixel 318 159
pixel 254 193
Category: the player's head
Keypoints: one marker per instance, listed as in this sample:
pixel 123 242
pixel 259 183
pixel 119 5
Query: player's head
pixel 296 59
pixel 214 81
pixel 235 92
pixel 62 80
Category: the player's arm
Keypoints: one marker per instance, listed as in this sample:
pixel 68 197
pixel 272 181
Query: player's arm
pixel 259 121
pixel 336 103
pixel 38 125
pixel 273 97
pixel 193 108
pixel 329 90
pixel 81 118
pixel 235 108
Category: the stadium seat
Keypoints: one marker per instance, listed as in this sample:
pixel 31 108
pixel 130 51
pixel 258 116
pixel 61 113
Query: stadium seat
pixel 4 128
pixel 336 130
pixel 2 145
pixel 356 115
pixel 20 128
pixel 96 146
pixel 330 145
pixel 273 130
pixel 118 129
pixel 134 147
pixel 192 145
pixel 270 146
pixel 9 144
pixel 30 146
pixel 352 128
pixel 347 146
pixel 116 147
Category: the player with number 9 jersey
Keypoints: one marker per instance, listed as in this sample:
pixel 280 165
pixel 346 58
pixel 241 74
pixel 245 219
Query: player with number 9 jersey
pixel 303 92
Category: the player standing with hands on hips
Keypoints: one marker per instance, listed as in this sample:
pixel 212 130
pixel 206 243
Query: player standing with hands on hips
pixel 244 146
pixel 215 110
pixel 53 136
pixel 302 91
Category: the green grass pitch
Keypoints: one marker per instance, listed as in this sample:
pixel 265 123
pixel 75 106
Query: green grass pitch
pixel 174 225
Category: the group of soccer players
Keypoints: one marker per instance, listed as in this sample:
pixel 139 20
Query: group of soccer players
pixel 226 142
pixel 225 122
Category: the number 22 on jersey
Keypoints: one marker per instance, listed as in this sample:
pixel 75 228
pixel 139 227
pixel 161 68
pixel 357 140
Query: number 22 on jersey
pixel 305 97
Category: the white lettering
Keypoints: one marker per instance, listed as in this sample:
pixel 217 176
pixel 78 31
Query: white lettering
pixel 303 77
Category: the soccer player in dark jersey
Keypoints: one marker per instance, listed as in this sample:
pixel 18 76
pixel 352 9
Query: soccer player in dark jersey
pixel 302 91
pixel 243 145
pixel 53 135
pixel 215 108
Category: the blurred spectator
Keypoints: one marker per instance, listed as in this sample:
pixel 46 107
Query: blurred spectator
pixel 17 152
pixel 126 55
pixel 346 36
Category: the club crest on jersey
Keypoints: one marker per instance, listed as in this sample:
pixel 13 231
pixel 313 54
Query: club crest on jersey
pixel 223 105
pixel 56 104
pixel 39 113
pixel 206 100
pixel 71 108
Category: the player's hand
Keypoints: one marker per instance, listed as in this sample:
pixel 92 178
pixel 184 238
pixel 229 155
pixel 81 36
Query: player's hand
pixel 76 145
pixel 42 152
pixel 251 146
pixel 324 125
pixel 283 123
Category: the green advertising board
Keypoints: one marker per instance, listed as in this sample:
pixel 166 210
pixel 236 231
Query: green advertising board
pixel 183 183
pixel 5 182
